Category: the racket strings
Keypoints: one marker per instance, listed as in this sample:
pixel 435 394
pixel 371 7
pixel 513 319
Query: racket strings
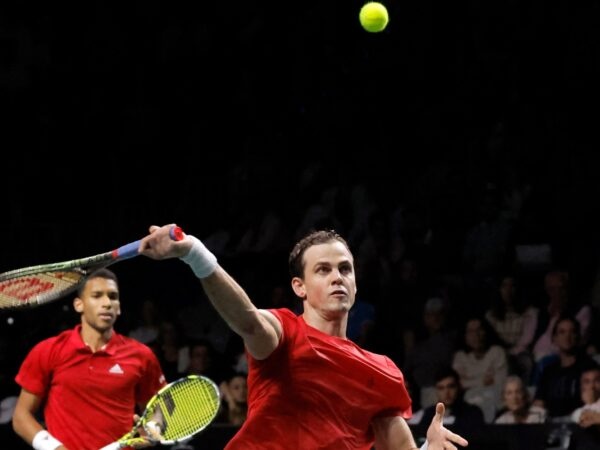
pixel 188 407
pixel 37 288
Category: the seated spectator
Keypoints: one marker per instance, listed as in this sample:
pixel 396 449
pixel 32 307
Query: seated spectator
pixel 234 408
pixel 514 322
pixel 173 356
pixel 481 364
pixel 434 346
pixel 587 435
pixel 558 389
pixel 206 361
pixel 589 413
pixel 458 412
pixel 559 303
pixel 518 407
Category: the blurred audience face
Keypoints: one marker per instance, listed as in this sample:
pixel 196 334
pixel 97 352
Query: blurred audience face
pixel 447 390
pixel 555 285
pixel 238 388
pixel 200 360
pixel 565 335
pixel 590 385
pixel 434 321
pixel 514 394
pixel 475 335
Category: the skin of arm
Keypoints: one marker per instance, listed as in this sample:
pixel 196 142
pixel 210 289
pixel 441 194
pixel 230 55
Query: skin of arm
pixel 259 329
pixel 24 421
pixel 392 433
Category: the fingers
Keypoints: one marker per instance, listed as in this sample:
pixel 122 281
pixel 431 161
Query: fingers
pixel 154 430
pixel 143 443
pixel 457 439
pixel 147 242
pixel 440 409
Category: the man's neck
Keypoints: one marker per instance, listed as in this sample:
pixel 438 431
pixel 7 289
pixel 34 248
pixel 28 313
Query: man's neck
pixel 95 339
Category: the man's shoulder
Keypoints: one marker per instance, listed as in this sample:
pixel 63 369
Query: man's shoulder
pixel 130 342
pixel 58 339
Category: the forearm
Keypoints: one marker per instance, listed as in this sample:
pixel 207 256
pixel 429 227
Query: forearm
pixel 231 302
pixel 26 427
pixel 393 433
pixel 234 306
pixel 31 431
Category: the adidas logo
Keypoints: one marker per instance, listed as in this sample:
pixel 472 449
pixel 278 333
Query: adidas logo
pixel 116 369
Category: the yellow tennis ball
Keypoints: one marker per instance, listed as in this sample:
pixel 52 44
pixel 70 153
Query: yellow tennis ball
pixel 373 17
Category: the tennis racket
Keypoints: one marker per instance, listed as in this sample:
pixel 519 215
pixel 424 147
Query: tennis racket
pixel 36 285
pixel 177 412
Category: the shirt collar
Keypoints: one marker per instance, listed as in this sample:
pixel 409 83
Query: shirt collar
pixel 109 348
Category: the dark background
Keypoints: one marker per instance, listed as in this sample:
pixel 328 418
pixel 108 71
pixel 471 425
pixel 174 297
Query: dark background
pixel 118 116
pixel 92 91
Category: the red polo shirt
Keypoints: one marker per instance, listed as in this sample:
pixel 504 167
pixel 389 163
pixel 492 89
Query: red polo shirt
pixel 90 397
pixel 317 391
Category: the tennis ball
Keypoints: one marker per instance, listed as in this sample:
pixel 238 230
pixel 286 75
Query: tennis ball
pixel 373 17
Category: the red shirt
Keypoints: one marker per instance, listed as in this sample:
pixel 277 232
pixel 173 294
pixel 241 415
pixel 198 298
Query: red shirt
pixel 317 391
pixel 90 397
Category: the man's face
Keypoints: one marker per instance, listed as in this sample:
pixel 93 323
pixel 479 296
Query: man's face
pixel 99 304
pixel 447 390
pixel 329 284
pixel 565 335
pixel 590 383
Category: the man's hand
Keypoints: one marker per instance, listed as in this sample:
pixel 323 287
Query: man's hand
pixel 159 244
pixel 149 435
pixel 439 437
pixel 589 417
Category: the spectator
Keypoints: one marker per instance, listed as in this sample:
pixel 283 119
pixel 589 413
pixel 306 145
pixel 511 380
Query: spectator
pixel 518 407
pixel 587 435
pixel 433 349
pixel 558 389
pixel 482 366
pixel 458 412
pixel 234 407
pixel 514 323
pixel 556 287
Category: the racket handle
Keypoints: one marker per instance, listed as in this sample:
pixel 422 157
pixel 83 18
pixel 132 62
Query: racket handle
pixel 176 233
pixel 130 250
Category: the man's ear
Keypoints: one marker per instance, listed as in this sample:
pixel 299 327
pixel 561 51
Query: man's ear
pixel 78 305
pixel 298 287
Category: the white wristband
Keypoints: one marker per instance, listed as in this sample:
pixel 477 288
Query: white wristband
pixel 424 446
pixel 200 259
pixel 45 441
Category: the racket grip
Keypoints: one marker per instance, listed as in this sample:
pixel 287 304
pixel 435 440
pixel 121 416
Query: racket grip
pixel 176 233
pixel 130 250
